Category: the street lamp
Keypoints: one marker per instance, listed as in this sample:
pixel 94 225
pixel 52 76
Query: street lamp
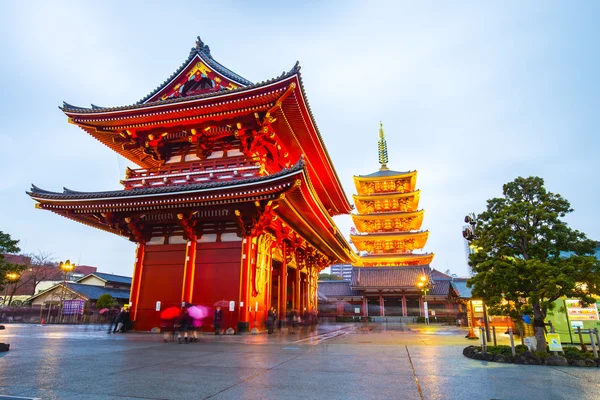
pixel 10 277
pixel 423 285
pixel 66 267
pixel 469 235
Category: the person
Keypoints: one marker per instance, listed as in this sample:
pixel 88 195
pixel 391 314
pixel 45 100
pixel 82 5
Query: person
pixel 276 322
pixel 119 319
pixel 291 323
pixel 184 326
pixel 270 320
pixel 218 317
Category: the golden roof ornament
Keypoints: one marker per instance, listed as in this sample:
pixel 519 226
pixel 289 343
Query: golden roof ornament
pixel 383 154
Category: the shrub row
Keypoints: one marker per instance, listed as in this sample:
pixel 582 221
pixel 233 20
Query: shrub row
pixel 503 354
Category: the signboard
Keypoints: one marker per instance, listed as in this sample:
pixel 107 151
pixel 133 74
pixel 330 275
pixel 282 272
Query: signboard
pixel 72 307
pixel 425 309
pixel 576 324
pixel 577 312
pixel 554 342
pixel 356 310
pixel 256 306
pixel 158 306
pixel 530 342
pixel 231 305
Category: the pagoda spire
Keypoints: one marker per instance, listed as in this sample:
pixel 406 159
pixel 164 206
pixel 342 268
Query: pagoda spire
pixel 383 154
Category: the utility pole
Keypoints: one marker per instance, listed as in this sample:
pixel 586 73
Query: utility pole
pixel 469 235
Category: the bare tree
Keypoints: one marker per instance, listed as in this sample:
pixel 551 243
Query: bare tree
pixel 41 267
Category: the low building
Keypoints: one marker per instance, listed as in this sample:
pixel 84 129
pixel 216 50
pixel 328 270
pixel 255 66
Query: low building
pixel 336 298
pixel 106 280
pixel 78 291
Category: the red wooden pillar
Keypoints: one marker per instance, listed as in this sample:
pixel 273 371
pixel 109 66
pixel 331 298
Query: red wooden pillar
pixel 134 295
pixel 283 278
pixel 189 271
pixel 421 306
pixel 365 311
pixel 297 290
pixel 246 265
pixel 381 306
pixel 404 311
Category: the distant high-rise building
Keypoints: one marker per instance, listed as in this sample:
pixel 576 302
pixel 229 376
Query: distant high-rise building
pixel 344 271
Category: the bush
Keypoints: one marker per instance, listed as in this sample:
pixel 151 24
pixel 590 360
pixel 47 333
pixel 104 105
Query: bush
pixel 420 320
pixel 521 348
pixel 502 349
pixel 105 301
pixel 542 355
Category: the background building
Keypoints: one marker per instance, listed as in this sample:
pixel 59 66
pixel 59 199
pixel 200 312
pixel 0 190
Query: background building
pixel 344 271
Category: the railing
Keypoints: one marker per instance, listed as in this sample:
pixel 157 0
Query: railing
pixel 191 172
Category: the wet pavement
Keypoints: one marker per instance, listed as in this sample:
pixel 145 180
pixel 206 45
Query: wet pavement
pixel 345 361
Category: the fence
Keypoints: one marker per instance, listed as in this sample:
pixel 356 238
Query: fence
pixel 50 315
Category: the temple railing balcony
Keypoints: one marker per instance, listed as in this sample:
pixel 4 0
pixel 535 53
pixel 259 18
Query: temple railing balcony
pixel 190 173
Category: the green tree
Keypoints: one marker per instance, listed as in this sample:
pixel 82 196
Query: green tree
pixel 9 273
pixel 105 301
pixel 329 277
pixel 527 257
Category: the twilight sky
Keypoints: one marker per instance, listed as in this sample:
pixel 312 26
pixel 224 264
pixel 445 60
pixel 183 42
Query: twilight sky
pixel 471 95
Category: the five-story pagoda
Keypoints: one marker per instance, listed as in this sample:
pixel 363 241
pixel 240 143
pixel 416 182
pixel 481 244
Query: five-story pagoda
pixel 389 223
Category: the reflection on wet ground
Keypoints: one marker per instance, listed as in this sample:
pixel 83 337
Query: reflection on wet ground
pixel 336 361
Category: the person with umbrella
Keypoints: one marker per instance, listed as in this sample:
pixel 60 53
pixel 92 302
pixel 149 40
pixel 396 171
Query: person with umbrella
pixel 196 313
pixel 185 324
pixel 217 318
pixel 167 321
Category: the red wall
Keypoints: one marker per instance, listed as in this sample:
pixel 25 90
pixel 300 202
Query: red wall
pixel 217 274
pixel 162 280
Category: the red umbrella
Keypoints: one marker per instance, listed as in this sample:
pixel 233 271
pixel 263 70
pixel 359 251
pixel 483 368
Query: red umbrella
pixel 170 313
pixel 103 311
pixel 221 303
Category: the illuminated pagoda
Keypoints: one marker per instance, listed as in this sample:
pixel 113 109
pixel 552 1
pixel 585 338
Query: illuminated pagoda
pixel 388 223
pixel 232 197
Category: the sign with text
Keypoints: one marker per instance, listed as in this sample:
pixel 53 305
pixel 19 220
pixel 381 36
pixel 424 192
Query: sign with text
pixel 72 307
pixel 231 305
pixel 577 312
pixel 554 342
pixel 158 306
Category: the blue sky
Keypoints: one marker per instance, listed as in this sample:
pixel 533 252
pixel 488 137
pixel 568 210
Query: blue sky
pixel 471 94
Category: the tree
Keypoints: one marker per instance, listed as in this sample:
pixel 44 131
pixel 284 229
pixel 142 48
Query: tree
pixel 329 277
pixel 43 267
pixel 105 301
pixel 527 257
pixel 8 270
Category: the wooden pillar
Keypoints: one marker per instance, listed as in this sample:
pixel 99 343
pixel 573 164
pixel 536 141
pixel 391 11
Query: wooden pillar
pixel 283 285
pixel 189 271
pixel 381 306
pixel 404 311
pixel 248 248
pixel 138 266
pixel 365 310
pixel 421 306
pixel 297 289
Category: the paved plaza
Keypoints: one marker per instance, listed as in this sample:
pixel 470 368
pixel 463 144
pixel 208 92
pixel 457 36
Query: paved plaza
pixel 345 361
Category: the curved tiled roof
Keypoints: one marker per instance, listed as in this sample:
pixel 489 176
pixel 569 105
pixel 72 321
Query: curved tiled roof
pixel 336 289
pixel 203 51
pixel 66 107
pixel 36 192
pixel 388 276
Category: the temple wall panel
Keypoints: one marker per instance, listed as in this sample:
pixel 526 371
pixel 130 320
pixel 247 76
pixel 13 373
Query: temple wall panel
pixel 162 280
pixel 217 274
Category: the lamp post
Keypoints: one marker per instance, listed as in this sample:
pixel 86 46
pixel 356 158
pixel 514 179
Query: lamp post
pixel 423 285
pixel 10 277
pixel 65 267
pixel 469 235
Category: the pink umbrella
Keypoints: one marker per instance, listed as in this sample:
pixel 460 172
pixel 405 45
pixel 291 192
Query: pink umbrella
pixel 197 312
pixel 103 311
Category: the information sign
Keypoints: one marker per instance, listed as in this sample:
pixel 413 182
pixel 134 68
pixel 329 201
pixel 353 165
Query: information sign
pixel 554 342
pixel 577 312
pixel 231 305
